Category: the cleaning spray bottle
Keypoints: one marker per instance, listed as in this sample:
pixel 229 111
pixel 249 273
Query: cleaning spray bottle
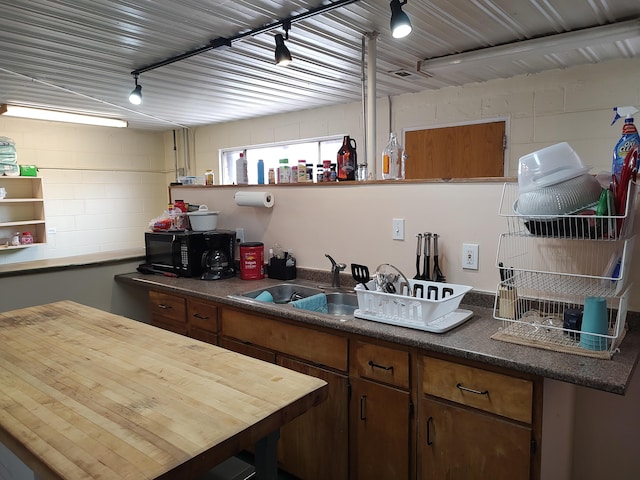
pixel 628 141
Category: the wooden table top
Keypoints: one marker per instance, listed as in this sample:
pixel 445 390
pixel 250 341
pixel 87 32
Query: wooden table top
pixel 89 394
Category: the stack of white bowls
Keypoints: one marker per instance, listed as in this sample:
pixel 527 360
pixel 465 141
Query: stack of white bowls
pixel 554 181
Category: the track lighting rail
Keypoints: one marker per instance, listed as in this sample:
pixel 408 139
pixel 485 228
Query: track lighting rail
pixel 226 42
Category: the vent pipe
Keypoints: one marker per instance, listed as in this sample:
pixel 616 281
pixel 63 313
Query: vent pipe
pixel 371 104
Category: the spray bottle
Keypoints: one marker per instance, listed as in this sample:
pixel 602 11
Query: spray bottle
pixel 628 141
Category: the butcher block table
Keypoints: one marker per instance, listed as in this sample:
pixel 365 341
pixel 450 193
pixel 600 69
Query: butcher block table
pixel 88 394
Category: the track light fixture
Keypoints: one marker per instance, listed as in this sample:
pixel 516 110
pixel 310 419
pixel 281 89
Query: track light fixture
pixel 283 55
pixel 135 96
pixel 400 23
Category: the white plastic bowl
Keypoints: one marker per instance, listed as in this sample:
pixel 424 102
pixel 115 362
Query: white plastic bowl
pixel 551 165
pixel 203 219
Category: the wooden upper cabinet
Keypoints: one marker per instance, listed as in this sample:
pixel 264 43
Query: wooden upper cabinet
pixel 466 151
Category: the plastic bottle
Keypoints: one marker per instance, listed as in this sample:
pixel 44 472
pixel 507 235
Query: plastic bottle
pixel 302 171
pixel 272 176
pixel 284 175
pixel 393 159
pixel 629 140
pixel 242 176
pixel 319 173
pixel 260 172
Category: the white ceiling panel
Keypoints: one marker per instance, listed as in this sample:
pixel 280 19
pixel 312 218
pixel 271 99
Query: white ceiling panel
pixel 79 54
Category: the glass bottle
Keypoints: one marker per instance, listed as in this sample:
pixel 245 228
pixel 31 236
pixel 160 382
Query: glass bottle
pixel 208 177
pixel 393 159
pixel 347 159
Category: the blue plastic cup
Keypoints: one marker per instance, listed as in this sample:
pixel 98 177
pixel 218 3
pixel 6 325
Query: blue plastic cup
pixel 594 321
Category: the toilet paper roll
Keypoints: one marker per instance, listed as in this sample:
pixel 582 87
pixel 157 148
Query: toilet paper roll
pixel 254 199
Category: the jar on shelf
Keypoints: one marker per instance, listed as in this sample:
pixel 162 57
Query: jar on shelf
pixel 15 239
pixel 26 238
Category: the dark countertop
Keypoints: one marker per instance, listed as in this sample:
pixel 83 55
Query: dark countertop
pixel 472 340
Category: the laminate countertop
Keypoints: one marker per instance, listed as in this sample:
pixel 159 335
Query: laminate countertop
pixel 471 340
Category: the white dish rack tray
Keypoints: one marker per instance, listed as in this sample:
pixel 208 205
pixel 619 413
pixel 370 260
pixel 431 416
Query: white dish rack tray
pixel 434 308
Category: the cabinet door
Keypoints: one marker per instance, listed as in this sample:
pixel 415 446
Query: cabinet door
pixel 168 311
pixel 380 441
pixel 459 443
pixel 315 445
pixel 203 320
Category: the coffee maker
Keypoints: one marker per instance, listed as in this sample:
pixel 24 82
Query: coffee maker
pixel 218 258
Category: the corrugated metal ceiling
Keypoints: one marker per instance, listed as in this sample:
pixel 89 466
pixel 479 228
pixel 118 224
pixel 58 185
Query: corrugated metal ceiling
pixel 78 54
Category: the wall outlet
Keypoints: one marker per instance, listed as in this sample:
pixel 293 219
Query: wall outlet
pixel 397 227
pixel 240 235
pixel 470 256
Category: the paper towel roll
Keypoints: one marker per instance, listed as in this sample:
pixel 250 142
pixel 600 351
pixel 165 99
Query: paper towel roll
pixel 254 199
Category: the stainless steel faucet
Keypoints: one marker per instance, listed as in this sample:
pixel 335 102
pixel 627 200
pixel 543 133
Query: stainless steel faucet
pixel 336 268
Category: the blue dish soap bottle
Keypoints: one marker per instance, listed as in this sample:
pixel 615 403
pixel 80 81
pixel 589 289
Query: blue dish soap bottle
pixel 628 141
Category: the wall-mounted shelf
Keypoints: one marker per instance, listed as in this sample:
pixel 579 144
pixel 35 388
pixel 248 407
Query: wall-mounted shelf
pixel 22 210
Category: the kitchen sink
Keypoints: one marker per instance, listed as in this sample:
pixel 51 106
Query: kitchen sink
pixel 284 292
pixel 342 303
pixel 338 303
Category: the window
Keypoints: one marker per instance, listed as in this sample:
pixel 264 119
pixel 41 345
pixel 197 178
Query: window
pixel 312 151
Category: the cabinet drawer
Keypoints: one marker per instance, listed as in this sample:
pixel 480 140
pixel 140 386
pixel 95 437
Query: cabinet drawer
pixel 490 391
pixel 379 363
pixel 203 315
pixel 317 347
pixel 169 306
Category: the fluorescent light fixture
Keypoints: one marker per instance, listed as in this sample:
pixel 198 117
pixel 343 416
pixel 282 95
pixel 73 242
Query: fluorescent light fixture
pixel 551 44
pixel 57 116
pixel 400 23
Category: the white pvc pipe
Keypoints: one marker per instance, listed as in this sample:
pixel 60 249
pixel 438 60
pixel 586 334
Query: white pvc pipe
pixel 371 105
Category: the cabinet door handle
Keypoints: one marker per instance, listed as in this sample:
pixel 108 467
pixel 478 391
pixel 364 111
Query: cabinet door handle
pixel 363 404
pixel 372 364
pixel 163 306
pixel 471 390
pixel 201 317
pixel 429 422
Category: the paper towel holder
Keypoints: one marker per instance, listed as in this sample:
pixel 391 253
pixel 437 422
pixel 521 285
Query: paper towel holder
pixel 254 199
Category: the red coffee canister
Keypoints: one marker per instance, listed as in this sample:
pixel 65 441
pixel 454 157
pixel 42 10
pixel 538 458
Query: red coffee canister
pixel 251 261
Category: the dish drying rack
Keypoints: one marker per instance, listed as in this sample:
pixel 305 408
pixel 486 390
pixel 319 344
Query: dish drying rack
pixel 551 264
pixel 432 307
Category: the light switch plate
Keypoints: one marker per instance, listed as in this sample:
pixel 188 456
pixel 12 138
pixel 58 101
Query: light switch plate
pixel 397 226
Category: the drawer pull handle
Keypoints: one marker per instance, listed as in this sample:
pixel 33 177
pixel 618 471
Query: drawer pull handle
pixel 201 317
pixel 363 404
pixel 164 307
pixel 471 390
pixel 372 364
pixel 429 422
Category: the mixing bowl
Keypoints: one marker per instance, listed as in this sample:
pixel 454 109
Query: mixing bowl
pixel 567 197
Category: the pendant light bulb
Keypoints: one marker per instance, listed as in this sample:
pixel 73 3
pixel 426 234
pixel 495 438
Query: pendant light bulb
pixel 135 96
pixel 283 55
pixel 400 23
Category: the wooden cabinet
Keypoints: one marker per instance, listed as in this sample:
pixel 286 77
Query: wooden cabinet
pixel 313 446
pixel 380 412
pixel 476 424
pixel 392 412
pixel 168 311
pixel 22 210
pixel 202 319
pixel 185 315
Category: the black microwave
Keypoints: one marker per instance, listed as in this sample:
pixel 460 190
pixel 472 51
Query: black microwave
pixel 179 253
